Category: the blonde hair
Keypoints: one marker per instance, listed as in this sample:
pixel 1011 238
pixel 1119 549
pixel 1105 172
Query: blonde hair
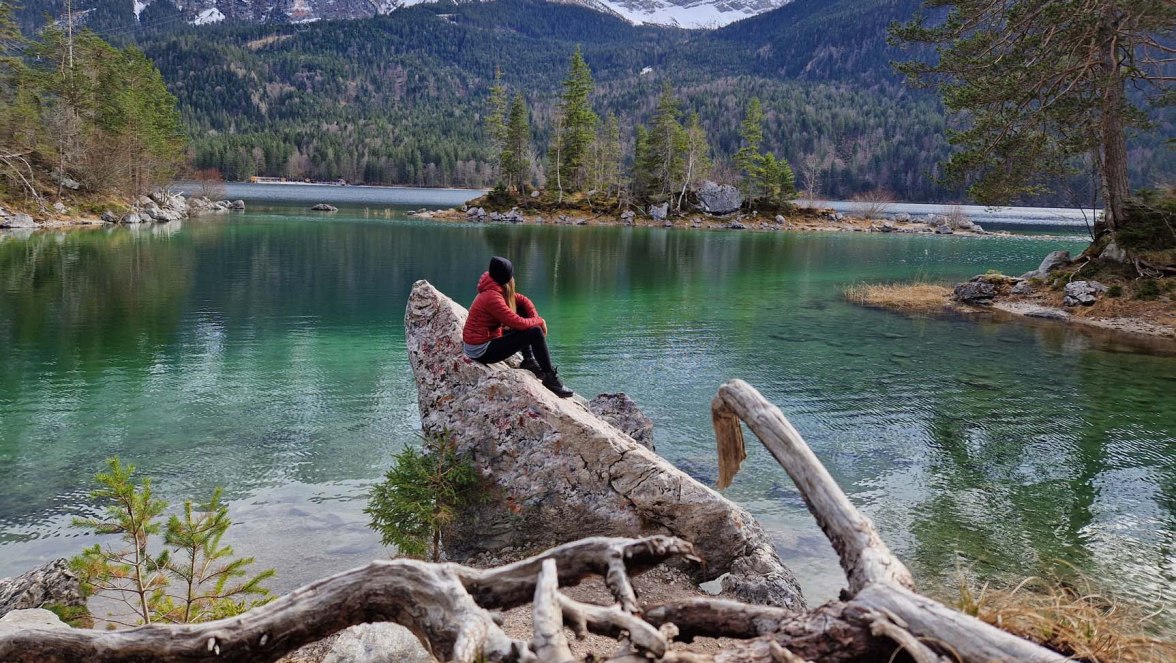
pixel 508 291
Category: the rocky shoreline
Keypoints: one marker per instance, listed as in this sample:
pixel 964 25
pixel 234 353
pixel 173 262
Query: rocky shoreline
pixel 1054 292
pixel 159 207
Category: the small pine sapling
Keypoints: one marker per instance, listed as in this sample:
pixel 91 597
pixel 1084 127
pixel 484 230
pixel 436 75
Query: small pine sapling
pixel 212 583
pixel 421 494
pixel 127 572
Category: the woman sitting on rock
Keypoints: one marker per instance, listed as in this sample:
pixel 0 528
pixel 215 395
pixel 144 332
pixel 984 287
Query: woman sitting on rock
pixel 498 305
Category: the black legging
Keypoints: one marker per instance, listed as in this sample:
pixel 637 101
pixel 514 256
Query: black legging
pixel 531 342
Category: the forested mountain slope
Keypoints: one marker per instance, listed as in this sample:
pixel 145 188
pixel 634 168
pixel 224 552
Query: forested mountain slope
pixel 400 98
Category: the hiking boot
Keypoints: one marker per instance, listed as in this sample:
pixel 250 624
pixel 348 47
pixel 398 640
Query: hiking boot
pixel 551 381
pixel 529 364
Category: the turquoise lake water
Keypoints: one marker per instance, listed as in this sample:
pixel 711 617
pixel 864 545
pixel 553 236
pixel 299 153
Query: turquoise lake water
pixel 264 352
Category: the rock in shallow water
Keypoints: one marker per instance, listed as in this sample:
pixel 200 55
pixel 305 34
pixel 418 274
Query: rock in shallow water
pixel 17 221
pixel 562 473
pixel 51 583
pixel 620 411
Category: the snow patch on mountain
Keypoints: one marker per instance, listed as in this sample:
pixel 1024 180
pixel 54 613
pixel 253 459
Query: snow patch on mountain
pixel 680 13
pixel 691 13
pixel 208 17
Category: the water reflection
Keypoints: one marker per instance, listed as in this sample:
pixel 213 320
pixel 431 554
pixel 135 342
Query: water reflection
pixel 265 353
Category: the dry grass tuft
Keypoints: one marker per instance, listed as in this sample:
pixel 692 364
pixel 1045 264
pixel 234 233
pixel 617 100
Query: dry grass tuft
pixel 908 297
pixel 1073 619
pixel 956 216
pixel 874 204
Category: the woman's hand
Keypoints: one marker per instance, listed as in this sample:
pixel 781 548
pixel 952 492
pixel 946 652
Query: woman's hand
pixel 543 326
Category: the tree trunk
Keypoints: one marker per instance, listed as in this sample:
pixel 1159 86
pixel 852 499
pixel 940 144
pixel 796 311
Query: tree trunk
pixel 1114 138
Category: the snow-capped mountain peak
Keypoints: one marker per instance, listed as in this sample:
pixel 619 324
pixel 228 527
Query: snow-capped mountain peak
pixel 680 13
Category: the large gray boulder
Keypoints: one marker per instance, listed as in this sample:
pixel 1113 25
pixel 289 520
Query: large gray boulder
pixel 1051 262
pixel 51 583
pixel 1114 253
pixel 975 293
pixel 1083 293
pixel 17 221
pixel 719 198
pixel 659 212
pixel 561 473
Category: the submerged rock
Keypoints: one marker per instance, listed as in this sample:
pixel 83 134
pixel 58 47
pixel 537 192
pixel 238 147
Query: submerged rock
pixel 561 473
pixel 51 583
pixel 620 411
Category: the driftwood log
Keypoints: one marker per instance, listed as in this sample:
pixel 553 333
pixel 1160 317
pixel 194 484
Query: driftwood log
pixel 451 608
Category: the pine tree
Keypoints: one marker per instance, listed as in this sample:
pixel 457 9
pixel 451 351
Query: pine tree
pixel 748 159
pixel 1039 82
pixel 516 153
pixel 667 143
pixel 778 182
pixel 496 117
pixel 644 164
pixel 569 153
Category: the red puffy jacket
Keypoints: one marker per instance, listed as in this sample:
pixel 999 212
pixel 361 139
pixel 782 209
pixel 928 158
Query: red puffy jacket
pixel 489 313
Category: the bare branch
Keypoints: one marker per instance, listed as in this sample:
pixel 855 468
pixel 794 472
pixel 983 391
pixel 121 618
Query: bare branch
pixel 864 556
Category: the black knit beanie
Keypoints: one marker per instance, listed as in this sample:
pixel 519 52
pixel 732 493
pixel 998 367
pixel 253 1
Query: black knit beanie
pixel 501 270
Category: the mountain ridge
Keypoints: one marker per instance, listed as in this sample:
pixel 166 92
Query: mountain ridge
pixel 399 98
pixel 128 15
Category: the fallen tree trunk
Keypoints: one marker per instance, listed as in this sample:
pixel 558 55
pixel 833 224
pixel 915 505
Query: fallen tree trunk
pixel 448 606
pixel 878 581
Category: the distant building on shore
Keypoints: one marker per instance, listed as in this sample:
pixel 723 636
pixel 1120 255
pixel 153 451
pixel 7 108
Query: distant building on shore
pixel 266 180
